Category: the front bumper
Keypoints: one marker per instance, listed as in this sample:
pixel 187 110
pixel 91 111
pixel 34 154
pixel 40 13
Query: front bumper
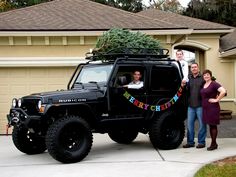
pixel 18 116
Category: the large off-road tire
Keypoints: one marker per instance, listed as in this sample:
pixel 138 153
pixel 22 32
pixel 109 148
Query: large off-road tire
pixel 69 139
pixel 167 132
pixel 123 136
pixel 27 142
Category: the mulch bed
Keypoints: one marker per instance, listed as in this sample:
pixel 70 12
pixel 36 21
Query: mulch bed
pixel 228 160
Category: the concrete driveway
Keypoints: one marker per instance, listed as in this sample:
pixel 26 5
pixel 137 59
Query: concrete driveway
pixel 109 159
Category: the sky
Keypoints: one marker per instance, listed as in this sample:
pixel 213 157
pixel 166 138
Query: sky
pixel 184 3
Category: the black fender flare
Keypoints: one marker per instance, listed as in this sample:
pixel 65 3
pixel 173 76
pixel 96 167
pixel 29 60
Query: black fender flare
pixel 81 109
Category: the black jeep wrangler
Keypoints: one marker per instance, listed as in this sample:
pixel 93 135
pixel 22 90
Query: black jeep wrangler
pixel 96 101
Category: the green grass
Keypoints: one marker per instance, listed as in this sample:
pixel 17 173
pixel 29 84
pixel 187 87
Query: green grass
pixel 212 170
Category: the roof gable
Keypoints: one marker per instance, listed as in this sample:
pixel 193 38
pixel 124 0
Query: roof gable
pixel 228 41
pixel 77 15
pixel 192 23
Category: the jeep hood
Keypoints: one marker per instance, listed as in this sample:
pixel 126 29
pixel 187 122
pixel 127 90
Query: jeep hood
pixel 66 96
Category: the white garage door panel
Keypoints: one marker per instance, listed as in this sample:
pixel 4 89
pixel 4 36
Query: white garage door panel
pixel 18 82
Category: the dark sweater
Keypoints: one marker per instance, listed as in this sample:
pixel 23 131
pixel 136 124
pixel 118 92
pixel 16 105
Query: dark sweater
pixel 194 86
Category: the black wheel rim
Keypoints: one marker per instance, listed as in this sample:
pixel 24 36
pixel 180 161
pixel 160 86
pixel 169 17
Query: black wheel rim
pixel 30 137
pixel 72 137
pixel 170 131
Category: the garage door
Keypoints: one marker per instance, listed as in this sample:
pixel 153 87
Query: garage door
pixel 18 82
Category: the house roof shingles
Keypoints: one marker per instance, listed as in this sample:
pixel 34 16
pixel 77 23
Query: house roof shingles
pixel 192 23
pixel 77 15
pixel 85 15
pixel 228 41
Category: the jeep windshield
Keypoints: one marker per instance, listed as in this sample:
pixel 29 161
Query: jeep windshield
pixel 96 75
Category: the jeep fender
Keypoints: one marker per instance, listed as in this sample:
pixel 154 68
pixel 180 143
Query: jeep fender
pixel 82 110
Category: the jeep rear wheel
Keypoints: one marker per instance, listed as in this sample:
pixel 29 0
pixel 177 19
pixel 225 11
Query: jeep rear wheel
pixel 167 132
pixel 123 136
pixel 28 142
pixel 69 139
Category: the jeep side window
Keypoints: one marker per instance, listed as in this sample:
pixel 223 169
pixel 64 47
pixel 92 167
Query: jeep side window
pixel 120 105
pixel 125 75
pixel 164 79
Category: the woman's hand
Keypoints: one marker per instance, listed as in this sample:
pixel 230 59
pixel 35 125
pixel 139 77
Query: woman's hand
pixel 219 97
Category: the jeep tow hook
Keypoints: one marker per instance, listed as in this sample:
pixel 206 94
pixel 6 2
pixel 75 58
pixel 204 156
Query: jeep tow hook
pixel 7 128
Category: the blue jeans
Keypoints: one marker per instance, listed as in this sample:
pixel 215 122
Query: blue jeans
pixel 194 113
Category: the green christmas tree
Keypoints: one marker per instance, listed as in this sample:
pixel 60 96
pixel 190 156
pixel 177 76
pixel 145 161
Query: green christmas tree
pixel 115 39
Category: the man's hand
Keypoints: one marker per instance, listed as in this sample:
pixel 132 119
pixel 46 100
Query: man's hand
pixel 213 100
pixel 183 83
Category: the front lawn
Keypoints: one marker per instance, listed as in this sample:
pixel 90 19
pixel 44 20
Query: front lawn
pixel 221 168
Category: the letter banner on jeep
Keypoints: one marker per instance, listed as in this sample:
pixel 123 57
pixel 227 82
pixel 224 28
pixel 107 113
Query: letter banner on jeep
pixel 145 106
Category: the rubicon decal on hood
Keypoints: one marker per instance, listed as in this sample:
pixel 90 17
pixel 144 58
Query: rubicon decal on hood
pixel 72 100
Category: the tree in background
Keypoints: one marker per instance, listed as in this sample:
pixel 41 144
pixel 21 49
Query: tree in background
pixel 138 5
pixel 24 3
pixel 128 5
pixel 220 11
pixel 166 5
pixel 14 4
pixel 5 5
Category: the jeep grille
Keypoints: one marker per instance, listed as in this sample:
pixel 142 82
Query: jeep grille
pixel 30 106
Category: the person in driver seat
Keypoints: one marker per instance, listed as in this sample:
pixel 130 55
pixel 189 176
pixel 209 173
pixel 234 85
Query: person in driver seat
pixel 136 83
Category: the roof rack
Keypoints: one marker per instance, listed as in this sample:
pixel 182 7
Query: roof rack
pixel 127 52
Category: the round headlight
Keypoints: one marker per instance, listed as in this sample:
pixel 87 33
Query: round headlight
pixel 19 102
pixel 14 102
pixel 39 104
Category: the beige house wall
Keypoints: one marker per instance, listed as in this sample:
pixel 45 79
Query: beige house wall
pixel 45 51
pixel 223 70
pixel 19 81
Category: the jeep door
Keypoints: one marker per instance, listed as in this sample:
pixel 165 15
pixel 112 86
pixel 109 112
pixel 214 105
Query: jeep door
pixel 126 102
pixel 164 82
